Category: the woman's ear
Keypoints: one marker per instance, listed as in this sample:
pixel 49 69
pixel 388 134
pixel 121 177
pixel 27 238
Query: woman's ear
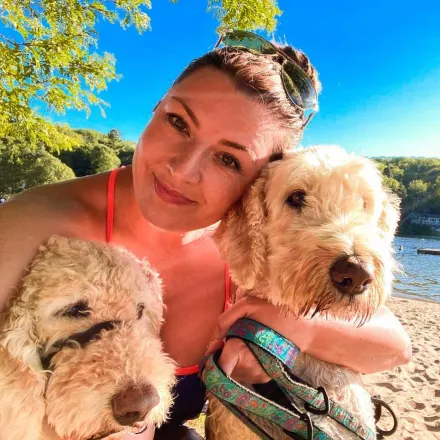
pixel 240 236
pixel 22 381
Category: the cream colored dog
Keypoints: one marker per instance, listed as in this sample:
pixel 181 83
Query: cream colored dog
pixel 80 346
pixel 313 234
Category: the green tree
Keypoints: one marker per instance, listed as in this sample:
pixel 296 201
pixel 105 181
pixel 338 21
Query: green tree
pixel 391 183
pixel 114 138
pixel 245 14
pixel 417 189
pixel 103 159
pixel 48 58
pixel 77 159
pixel 395 186
pixel 97 152
pixel 29 168
pixel 417 182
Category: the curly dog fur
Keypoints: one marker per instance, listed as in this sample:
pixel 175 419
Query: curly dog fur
pixel 284 253
pixel 71 286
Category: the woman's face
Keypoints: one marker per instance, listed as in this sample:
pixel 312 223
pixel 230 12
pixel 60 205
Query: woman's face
pixel 206 143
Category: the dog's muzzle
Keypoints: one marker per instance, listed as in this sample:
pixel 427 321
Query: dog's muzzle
pixel 80 338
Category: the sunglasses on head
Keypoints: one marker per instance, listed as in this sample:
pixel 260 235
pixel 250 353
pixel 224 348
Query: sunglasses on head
pixel 297 85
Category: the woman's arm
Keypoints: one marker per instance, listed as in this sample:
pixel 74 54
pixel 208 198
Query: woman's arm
pixel 380 344
pixel 26 221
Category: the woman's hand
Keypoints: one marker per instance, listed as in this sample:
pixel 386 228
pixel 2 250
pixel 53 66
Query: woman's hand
pixel 380 344
pixel 236 359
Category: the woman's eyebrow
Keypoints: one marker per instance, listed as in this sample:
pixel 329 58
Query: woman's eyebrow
pixel 189 112
pixel 235 145
pixel 196 122
pixel 240 147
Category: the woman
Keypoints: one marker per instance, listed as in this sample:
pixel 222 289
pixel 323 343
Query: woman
pixel 206 143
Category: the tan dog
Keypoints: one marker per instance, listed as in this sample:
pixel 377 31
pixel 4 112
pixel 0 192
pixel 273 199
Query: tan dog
pixel 313 234
pixel 113 375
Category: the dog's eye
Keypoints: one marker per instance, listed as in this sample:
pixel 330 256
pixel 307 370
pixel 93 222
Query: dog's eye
pixel 77 310
pixel 140 309
pixel 296 199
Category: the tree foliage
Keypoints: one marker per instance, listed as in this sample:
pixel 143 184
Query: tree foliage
pixel 416 181
pixel 28 169
pixel 97 153
pixel 49 59
pixel 417 189
pixel 22 168
pixel 245 14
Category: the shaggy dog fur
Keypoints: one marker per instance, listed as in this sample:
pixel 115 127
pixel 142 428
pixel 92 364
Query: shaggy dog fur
pixel 71 286
pixel 304 213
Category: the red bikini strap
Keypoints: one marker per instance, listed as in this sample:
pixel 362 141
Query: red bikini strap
pixel 110 204
pixel 184 371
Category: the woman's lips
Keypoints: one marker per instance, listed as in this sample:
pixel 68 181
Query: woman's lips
pixel 170 195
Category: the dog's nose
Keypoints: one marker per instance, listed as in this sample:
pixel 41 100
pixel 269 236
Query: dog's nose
pixel 350 276
pixel 133 404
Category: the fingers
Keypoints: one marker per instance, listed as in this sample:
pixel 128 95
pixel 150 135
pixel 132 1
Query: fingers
pixel 242 309
pixel 238 362
pixel 214 346
pixel 236 359
pixel 230 356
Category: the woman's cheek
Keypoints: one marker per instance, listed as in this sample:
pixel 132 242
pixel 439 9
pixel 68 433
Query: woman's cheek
pixel 225 191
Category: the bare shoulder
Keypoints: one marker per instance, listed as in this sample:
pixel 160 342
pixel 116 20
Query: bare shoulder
pixel 72 208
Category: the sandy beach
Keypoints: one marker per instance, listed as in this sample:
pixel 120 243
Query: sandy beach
pixel 413 390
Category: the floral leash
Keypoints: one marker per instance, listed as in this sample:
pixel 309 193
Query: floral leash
pixel 277 356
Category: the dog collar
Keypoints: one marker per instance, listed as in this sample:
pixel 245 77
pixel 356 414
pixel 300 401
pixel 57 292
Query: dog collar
pixel 81 338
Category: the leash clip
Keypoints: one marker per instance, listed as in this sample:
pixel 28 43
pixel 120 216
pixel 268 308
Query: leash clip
pixel 317 411
pixel 378 404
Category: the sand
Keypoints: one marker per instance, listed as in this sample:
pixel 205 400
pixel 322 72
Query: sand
pixel 413 390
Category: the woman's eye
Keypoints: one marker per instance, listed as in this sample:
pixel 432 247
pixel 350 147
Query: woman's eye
pixel 77 310
pixel 177 122
pixel 230 161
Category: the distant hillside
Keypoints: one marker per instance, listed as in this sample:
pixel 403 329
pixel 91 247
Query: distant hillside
pixel 21 167
pixel 417 182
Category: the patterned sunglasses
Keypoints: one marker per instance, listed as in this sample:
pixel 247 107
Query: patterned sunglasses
pixel 297 84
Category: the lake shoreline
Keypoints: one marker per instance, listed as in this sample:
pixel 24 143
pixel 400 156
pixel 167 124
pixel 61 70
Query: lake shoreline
pixel 412 298
pixel 423 237
pixel 421 273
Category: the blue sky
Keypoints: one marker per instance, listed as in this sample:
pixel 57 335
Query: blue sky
pixel 379 62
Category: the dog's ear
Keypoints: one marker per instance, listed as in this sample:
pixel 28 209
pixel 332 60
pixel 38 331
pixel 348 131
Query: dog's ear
pixel 240 236
pixel 389 217
pixel 22 381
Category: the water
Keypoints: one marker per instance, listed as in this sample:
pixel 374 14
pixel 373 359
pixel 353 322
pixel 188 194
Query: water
pixel 422 272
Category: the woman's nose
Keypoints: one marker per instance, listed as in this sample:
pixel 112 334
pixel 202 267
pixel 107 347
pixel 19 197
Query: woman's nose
pixel 187 165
